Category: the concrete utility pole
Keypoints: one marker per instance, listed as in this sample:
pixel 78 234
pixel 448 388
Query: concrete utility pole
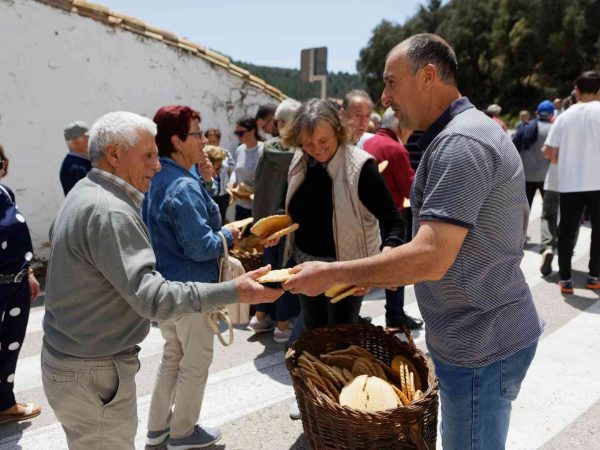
pixel 313 67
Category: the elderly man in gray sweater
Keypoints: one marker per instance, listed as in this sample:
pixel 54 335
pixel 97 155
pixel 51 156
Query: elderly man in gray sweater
pixel 102 289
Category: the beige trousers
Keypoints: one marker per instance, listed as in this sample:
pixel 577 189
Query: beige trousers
pixel 181 379
pixel 94 400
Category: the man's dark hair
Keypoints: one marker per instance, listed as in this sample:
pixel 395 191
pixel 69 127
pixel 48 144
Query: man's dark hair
pixel 588 82
pixel 249 124
pixel 265 111
pixel 426 48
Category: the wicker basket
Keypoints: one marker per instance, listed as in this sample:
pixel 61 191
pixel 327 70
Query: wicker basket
pixel 249 261
pixel 328 425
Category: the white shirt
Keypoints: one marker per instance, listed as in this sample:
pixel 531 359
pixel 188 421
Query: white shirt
pixel 576 133
pixel 364 138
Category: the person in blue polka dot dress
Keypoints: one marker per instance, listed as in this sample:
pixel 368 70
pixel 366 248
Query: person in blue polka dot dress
pixel 18 287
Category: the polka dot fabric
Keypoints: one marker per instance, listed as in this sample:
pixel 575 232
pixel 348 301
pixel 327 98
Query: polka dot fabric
pixel 16 250
pixel 15 254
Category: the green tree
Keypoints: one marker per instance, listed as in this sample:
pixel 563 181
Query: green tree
pixel 511 52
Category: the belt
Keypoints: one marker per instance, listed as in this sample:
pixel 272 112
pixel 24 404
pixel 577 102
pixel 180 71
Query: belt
pixel 7 278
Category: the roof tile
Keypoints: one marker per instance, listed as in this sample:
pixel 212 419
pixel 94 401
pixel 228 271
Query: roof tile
pixel 105 15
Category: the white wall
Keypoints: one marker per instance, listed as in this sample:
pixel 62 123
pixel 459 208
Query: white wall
pixel 56 67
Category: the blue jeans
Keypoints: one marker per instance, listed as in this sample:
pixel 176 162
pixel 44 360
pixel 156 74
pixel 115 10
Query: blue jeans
pixel 477 402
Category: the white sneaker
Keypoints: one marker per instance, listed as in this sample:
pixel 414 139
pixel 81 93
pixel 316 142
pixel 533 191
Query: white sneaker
pixel 157 437
pixel 282 336
pixel 260 325
pixel 294 410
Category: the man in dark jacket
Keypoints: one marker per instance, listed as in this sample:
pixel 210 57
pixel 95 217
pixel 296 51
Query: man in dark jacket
pixel 77 163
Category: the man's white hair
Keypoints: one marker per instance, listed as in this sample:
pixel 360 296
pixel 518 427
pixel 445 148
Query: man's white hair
pixel 389 119
pixel 287 109
pixel 121 128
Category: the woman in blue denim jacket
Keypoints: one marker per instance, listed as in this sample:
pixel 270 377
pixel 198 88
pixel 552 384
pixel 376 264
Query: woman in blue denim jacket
pixel 185 225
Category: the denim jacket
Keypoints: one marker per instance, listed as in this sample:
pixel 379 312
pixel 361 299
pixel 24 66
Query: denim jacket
pixel 184 223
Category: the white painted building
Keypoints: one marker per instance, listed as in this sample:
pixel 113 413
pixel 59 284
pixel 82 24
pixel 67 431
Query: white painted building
pixel 65 60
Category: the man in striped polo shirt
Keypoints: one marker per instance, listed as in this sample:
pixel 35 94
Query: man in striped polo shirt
pixel 470 219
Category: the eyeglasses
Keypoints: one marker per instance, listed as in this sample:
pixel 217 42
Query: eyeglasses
pixel 198 134
pixel 240 133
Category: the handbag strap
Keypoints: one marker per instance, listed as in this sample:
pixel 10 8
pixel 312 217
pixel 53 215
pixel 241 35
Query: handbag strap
pixel 225 259
pixel 220 314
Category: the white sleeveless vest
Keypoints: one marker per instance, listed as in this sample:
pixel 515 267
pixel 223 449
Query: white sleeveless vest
pixel 355 229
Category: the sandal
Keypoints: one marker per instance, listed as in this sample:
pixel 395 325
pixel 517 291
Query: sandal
pixel 30 412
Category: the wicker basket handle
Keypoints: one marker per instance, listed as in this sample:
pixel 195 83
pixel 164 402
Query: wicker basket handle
pixel 407 333
pixel 416 435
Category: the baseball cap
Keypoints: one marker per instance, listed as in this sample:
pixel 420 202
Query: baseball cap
pixel 76 129
pixel 545 109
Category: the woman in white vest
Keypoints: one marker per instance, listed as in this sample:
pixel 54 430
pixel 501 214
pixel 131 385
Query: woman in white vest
pixel 340 200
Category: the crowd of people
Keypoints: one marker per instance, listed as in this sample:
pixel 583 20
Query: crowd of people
pixel 145 221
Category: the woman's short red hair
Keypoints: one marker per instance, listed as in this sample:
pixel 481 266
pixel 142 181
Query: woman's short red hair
pixel 173 120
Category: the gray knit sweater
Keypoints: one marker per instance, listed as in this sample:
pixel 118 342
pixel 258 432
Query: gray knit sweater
pixel 101 288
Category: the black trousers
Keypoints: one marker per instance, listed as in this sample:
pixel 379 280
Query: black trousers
pixel 318 311
pixel 531 187
pixel 14 314
pixel 571 209
pixel 223 202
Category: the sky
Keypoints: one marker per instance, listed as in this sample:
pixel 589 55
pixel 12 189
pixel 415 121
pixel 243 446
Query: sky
pixel 272 32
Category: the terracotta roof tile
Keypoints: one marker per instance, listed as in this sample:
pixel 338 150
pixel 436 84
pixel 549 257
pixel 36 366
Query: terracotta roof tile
pixel 103 14
pixel 92 10
pixel 62 4
pixel 237 70
pixel 200 48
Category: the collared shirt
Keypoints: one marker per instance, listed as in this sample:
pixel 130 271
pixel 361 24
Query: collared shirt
pixel 471 175
pixel 132 192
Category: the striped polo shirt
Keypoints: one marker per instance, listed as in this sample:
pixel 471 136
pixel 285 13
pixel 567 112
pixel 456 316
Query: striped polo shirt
pixel 471 176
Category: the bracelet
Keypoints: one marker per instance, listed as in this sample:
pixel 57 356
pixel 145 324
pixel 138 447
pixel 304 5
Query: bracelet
pixel 29 271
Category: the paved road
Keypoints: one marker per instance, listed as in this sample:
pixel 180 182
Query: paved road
pixel 249 390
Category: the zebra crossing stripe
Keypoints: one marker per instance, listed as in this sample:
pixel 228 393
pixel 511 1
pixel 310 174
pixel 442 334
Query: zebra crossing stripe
pixel 561 384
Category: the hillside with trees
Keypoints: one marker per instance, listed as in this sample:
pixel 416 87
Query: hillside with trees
pixel 511 52
pixel 288 81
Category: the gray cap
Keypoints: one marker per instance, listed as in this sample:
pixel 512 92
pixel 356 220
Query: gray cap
pixel 76 129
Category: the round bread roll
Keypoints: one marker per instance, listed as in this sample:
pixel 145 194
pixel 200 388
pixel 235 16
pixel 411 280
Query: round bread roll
pixel 369 394
pixel 381 395
pixel 271 224
pixel 354 395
